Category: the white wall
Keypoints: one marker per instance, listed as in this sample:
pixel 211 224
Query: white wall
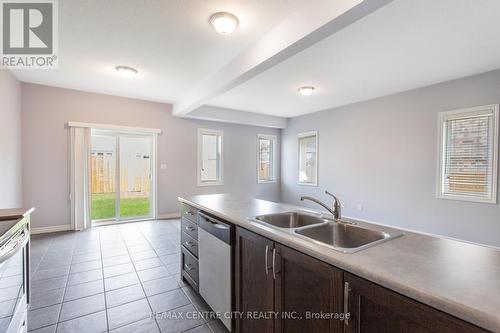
pixel 46 110
pixel 382 154
pixel 10 141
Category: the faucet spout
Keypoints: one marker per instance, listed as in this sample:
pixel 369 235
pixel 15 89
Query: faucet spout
pixel 335 211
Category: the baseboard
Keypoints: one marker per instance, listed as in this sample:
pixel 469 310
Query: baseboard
pixel 169 216
pixel 66 227
pixel 54 228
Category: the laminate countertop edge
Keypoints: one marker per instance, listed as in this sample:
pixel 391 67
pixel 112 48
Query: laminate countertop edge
pixel 453 295
pixel 15 213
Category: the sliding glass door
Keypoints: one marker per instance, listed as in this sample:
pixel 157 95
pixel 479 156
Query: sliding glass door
pixel 103 177
pixel 122 176
pixel 135 176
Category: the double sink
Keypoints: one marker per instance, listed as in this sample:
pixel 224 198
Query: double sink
pixel 340 235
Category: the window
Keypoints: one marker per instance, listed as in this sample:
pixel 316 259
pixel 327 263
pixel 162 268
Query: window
pixel 209 157
pixel 468 154
pixel 266 158
pixel 308 158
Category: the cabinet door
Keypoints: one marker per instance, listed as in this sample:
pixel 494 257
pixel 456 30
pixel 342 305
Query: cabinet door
pixel 305 286
pixel 376 309
pixel 253 281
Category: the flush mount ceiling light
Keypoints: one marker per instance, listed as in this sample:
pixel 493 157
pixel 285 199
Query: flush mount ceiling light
pixel 306 90
pixel 224 22
pixel 126 71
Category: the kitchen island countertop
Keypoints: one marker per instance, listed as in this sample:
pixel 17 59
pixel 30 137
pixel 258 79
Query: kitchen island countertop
pixel 455 277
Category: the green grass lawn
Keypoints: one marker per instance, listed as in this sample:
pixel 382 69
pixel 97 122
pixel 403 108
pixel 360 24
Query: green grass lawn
pixel 104 206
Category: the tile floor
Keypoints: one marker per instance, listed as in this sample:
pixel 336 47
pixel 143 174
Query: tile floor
pixel 111 279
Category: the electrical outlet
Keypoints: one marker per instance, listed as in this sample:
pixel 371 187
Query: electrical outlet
pixel 359 207
pixel 163 166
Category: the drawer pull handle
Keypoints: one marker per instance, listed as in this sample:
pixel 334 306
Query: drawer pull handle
pixel 189 213
pixel 190 228
pixel 189 243
pixel 188 267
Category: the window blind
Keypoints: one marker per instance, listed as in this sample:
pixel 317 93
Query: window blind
pixel 266 145
pixel 209 157
pixel 468 156
pixel 308 163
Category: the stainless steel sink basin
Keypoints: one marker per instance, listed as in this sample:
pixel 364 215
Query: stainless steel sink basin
pixel 345 237
pixel 288 220
pixel 340 235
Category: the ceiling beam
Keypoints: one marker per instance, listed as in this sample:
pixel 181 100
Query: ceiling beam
pixel 214 113
pixel 305 27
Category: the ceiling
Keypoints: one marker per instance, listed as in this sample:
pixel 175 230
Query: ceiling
pixel 404 45
pixel 350 51
pixel 170 42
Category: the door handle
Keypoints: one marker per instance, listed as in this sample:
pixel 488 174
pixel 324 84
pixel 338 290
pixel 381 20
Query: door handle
pixel 347 289
pixel 274 264
pixel 265 260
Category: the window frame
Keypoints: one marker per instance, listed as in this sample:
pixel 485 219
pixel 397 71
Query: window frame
pixel 492 109
pixel 303 135
pixel 274 165
pixel 220 133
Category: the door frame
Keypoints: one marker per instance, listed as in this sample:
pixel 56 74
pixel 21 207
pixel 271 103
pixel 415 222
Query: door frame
pixel 153 199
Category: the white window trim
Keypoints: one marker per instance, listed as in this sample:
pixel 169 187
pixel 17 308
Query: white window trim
pixel 200 162
pixel 467 112
pixel 299 136
pixel 116 128
pixel 274 140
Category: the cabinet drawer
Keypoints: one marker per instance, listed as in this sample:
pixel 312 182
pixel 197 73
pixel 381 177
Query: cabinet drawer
pixel 189 264
pixel 189 212
pixel 189 228
pixel 189 243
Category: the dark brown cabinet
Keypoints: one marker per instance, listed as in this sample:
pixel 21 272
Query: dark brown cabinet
pixel 272 278
pixel 308 289
pixel 254 284
pixel 376 309
pixel 278 289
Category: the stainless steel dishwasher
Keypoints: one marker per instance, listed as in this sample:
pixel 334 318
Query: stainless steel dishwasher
pixel 215 243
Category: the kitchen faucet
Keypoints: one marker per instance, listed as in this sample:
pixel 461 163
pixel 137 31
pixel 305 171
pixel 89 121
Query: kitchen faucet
pixel 337 207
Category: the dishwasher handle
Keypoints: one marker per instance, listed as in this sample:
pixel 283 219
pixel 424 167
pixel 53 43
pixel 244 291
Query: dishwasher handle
pixel 217 228
pixel 220 226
